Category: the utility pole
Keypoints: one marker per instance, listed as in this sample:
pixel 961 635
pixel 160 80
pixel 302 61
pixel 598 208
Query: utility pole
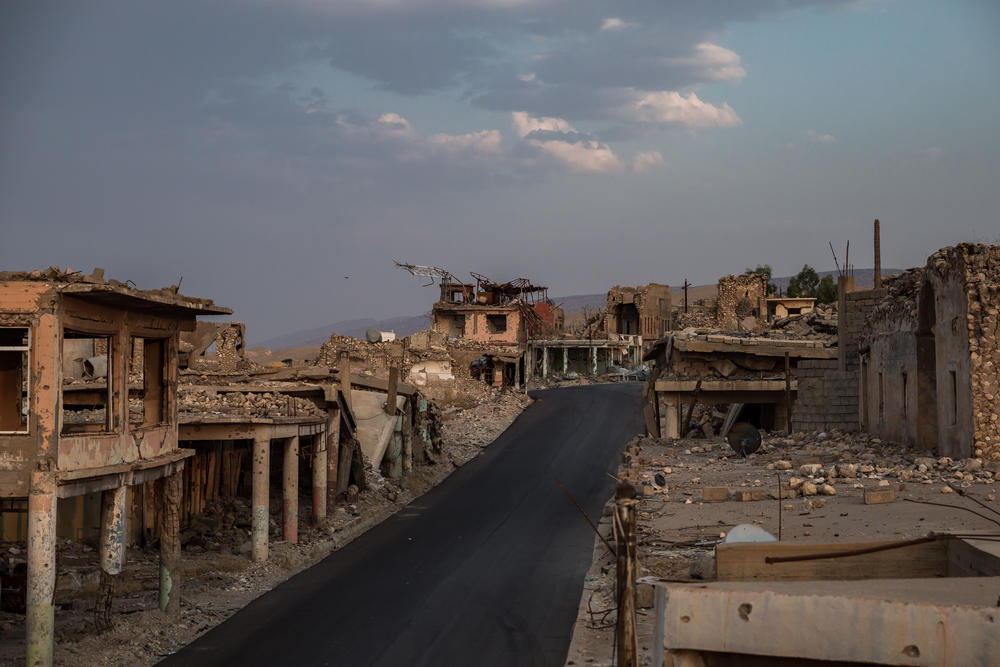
pixel 686 285
pixel 878 256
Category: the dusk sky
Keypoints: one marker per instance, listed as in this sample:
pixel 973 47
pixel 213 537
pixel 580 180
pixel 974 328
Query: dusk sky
pixel 280 155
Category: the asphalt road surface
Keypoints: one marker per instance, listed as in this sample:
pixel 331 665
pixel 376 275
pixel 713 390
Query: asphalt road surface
pixel 485 569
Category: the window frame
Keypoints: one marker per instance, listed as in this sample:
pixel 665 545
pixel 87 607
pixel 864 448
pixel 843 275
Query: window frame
pixel 24 350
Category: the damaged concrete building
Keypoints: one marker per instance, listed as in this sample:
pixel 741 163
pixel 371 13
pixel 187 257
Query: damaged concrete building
pixel 930 358
pixel 78 417
pixel 742 302
pixel 645 311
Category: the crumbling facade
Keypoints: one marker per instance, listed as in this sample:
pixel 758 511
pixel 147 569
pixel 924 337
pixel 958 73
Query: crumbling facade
pixel 929 355
pixel 742 302
pixel 644 310
pixel 78 417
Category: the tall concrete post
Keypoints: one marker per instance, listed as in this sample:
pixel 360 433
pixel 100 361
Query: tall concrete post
pixel 878 256
pixel 565 360
pixel 319 481
pixel 593 361
pixel 332 455
pixel 259 517
pixel 112 550
pixel 170 544
pixel 290 492
pixel 545 362
pixel 405 420
pixel 41 587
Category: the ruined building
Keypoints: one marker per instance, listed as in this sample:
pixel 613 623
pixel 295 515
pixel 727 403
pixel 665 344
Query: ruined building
pixel 497 313
pixel 78 416
pixel 644 311
pixel 929 356
pixel 742 302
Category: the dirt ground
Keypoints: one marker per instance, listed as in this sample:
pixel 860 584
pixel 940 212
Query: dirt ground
pixel 218 577
pixel 678 530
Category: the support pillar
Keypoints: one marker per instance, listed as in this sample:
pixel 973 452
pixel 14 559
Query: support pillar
pixel 406 434
pixel 319 471
pixel 290 492
pixel 545 362
pixel 114 504
pixel 670 415
pixel 170 544
pixel 40 619
pixel 259 518
pixel 394 454
pixel 565 360
pixel 593 361
pixel 332 455
pixel 845 284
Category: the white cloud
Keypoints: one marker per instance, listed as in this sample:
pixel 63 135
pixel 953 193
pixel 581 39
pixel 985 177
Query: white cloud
pixel 395 123
pixel 525 124
pixel 670 107
pixel 815 137
pixel 576 152
pixel 484 142
pixel 713 63
pixel 647 161
pixel 526 78
pixel 613 23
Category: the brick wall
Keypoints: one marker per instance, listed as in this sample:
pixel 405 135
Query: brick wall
pixel 859 305
pixel 827 398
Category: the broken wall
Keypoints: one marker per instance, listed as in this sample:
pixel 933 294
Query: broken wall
pixel 741 304
pixel 982 268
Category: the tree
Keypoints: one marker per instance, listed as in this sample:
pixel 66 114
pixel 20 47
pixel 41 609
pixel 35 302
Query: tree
pixel 827 292
pixel 805 284
pixel 763 270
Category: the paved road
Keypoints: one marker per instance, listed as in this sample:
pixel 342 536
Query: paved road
pixel 485 569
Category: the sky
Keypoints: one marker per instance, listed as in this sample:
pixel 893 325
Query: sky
pixel 278 156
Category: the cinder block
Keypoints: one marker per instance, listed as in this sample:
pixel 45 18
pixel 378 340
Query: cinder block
pixel 752 495
pixel 879 496
pixel 714 494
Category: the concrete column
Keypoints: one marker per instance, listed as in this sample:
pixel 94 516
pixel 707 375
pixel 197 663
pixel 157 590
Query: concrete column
pixel 545 362
pixel 290 492
pixel 565 360
pixel 259 518
pixel 114 509
pixel 670 415
pixel 319 480
pixel 593 361
pixel 170 544
pixel 405 434
pixel 332 455
pixel 529 363
pixel 40 618
pixel 845 284
pixel 394 454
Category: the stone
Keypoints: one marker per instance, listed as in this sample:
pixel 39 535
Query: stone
pixel 808 489
pixel 947 489
pixel 848 470
pixel 828 490
pixel 810 469
pixel 782 465
pixel 795 482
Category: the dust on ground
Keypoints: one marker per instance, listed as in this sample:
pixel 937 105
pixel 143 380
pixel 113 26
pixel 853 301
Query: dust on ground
pixel 677 530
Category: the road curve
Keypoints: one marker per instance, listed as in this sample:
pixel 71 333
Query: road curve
pixel 485 569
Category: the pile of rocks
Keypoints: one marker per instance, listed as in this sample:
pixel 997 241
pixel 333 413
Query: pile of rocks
pixel 819 324
pixel 862 460
pixel 252 404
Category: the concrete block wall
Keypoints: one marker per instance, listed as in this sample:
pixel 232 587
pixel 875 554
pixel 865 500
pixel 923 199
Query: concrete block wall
pixel 827 398
pixel 859 305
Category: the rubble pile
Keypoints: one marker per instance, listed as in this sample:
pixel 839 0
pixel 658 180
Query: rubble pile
pixel 253 404
pixel 819 324
pixel 707 420
pixel 477 426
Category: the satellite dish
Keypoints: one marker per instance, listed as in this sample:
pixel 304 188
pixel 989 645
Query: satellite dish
pixel 373 335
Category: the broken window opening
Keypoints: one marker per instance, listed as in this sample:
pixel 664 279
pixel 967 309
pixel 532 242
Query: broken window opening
pixel 147 404
pixel 15 371
pixel 496 323
pixel 87 385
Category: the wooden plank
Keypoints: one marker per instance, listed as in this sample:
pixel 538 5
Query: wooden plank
pixel 745 562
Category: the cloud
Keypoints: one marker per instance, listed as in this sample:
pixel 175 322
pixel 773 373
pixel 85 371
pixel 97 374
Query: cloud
pixel 395 123
pixel 613 24
pixel 814 137
pixel 482 142
pixel 648 161
pixel 712 62
pixel 667 107
pixel 564 144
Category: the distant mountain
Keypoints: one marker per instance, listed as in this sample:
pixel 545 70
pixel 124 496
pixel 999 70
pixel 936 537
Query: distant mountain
pixel 406 325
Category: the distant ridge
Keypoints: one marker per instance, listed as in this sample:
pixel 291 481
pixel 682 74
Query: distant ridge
pixel 406 325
